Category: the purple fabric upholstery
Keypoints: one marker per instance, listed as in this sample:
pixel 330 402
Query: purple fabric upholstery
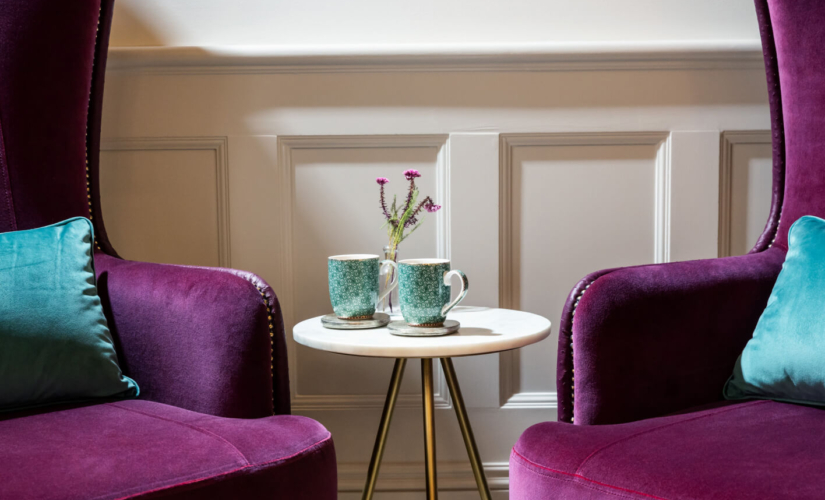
pixel 799 35
pixel 208 340
pixel 45 85
pixel 766 239
pixel 142 449
pixel 652 340
pixel 760 449
pixel 197 338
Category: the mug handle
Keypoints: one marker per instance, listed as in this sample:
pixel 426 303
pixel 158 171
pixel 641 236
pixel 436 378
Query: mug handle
pixel 465 285
pixel 394 282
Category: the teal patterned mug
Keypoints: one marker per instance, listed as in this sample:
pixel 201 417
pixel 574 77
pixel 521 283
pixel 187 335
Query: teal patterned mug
pixel 353 284
pixel 424 289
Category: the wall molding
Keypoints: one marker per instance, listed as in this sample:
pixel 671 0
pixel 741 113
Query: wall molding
pixel 288 144
pixel 544 56
pixel 510 395
pixel 219 145
pixel 661 214
pixel 728 139
pixel 398 477
pixel 527 400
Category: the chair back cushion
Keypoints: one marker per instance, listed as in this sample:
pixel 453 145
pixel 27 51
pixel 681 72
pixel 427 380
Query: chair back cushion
pixel 52 62
pixel 55 345
pixel 797 29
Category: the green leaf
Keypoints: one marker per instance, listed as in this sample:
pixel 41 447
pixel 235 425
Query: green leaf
pixel 410 209
pixel 413 229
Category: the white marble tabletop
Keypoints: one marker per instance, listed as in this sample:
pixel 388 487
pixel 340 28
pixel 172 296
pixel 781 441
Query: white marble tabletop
pixel 483 330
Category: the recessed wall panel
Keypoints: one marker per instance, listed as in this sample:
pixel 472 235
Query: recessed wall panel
pixel 162 205
pixel 336 211
pixel 575 209
pixel 750 201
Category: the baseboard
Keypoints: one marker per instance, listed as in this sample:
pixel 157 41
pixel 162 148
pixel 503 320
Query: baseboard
pixel 452 476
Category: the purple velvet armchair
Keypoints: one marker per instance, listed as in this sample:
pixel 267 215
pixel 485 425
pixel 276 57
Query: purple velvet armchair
pixel 205 345
pixel 645 351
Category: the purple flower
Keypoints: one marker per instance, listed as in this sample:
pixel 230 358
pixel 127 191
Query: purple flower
pixel 382 180
pixel 428 205
pixel 411 174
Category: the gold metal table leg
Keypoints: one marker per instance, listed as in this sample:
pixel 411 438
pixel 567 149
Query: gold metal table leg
pixel 384 427
pixel 466 429
pixel 429 426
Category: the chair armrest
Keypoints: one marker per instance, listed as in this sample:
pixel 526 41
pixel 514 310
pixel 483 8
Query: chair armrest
pixel 647 341
pixel 205 339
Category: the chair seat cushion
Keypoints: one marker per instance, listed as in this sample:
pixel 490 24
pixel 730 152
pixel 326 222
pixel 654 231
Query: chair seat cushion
pixel 141 449
pixel 757 449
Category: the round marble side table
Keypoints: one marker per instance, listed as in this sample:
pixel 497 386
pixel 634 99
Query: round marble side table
pixel 483 331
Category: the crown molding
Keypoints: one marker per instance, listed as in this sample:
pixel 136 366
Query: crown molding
pixel 556 56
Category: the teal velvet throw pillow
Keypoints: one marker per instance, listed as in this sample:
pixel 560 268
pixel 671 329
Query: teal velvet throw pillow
pixel 785 359
pixel 55 345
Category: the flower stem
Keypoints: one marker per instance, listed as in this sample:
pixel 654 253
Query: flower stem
pixel 384 204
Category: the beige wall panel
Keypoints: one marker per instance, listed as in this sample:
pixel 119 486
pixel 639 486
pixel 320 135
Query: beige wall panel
pixel 750 194
pixel 575 209
pixel 745 189
pixel 162 205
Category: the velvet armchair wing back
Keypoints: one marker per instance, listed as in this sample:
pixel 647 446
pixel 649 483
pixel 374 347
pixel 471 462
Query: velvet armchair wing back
pixel 209 340
pixel 48 58
pixel 646 341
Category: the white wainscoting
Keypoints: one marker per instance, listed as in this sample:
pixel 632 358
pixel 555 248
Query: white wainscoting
pixel 583 162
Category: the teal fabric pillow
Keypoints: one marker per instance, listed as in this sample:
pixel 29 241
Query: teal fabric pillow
pixel 55 345
pixel 785 359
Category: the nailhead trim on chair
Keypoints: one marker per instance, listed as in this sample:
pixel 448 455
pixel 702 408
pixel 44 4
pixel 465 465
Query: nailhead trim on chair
pixel 776 230
pixel 86 132
pixel 573 371
pixel 271 342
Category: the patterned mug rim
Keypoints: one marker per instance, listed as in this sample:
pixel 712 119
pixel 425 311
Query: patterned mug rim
pixel 423 262
pixel 354 256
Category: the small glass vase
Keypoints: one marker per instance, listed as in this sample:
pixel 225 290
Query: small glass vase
pixel 390 304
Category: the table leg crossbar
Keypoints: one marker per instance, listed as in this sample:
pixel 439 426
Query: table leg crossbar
pixel 429 427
